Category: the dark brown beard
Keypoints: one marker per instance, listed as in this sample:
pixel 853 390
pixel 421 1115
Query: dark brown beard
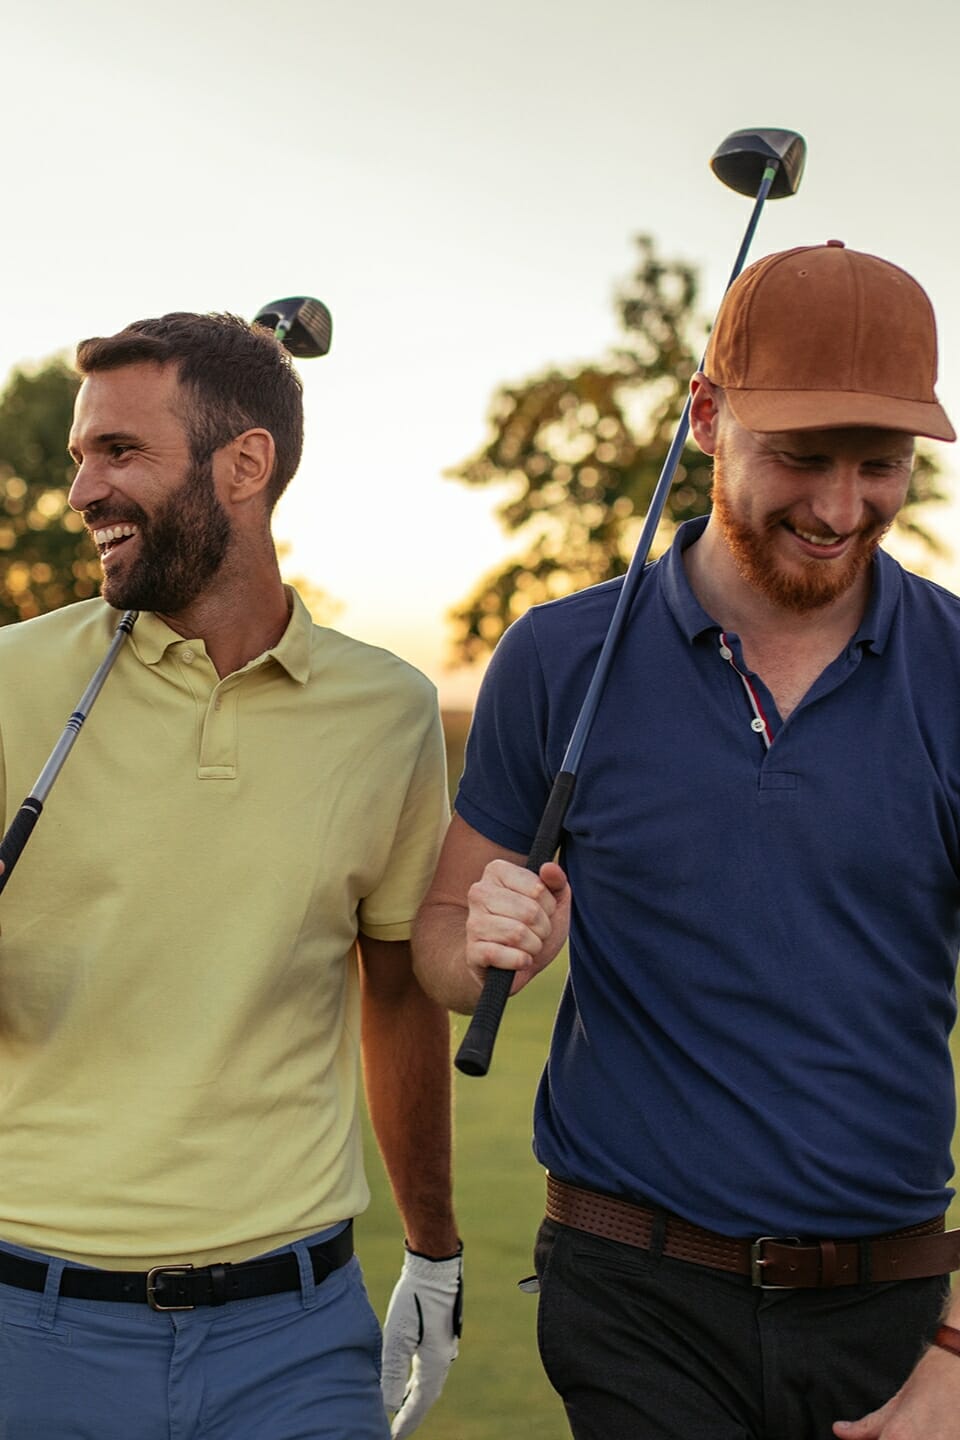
pixel 816 584
pixel 182 546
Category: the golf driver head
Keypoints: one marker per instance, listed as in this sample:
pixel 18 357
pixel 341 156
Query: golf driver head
pixel 742 158
pixel 301 324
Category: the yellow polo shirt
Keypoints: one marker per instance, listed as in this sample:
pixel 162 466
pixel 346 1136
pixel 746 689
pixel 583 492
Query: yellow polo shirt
pixel 179 1008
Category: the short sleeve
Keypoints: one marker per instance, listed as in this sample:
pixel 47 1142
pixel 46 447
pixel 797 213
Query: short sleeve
pixel 387 912
pixel 507 779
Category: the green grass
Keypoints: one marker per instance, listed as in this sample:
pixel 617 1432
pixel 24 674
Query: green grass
pixel 496 1390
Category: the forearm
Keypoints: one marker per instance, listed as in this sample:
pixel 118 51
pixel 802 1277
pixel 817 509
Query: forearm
pixel 439 954
pixel 406 1061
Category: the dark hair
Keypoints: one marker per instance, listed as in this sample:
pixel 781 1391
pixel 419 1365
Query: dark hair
pixel 235 376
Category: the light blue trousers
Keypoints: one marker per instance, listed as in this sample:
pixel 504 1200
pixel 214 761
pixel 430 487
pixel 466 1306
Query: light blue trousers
pixel 296 1366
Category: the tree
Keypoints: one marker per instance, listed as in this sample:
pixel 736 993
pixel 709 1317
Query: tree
pixel 582 450
pixel 46 557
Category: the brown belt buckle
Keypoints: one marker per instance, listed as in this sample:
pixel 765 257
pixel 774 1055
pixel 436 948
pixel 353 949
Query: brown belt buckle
pixel 757 1260
pixel 152 1277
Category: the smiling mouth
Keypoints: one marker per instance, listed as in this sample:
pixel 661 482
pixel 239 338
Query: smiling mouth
pixel 825 542
pixel 819 539
pixel 111 536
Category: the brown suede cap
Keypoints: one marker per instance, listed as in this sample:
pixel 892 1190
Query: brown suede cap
pixel 822 336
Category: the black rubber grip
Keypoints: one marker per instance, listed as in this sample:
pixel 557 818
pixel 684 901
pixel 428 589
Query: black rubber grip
pixel 546 842
pixel 476 1047
pixel 13 842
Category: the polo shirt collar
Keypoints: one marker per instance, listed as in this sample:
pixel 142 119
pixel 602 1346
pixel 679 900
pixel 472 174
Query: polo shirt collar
pixel 675 587
pixel 152 638
pixel 874 629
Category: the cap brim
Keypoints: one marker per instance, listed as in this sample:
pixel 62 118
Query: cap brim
pixel 769 410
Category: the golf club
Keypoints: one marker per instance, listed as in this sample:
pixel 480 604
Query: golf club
pixel 21 827
pixel 303 326
pixel 761 163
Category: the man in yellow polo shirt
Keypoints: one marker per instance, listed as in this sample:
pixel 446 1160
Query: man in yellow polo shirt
pixel 205 935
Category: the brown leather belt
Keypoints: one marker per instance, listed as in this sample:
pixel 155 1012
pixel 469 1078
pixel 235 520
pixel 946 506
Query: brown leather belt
pixel 771 1261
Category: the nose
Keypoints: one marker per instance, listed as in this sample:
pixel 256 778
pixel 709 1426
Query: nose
pixel 838 502
pixel 88 486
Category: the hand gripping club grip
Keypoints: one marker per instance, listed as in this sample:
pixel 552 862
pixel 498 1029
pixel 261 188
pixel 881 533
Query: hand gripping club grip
pixel 476 1048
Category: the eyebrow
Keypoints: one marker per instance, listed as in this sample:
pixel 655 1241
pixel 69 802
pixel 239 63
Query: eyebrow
pixel 109 437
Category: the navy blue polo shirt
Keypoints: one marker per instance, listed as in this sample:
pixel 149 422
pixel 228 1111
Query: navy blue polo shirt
pixel 754 1032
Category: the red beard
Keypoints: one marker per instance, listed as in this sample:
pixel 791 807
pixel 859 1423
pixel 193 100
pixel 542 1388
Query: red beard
pixel 810 584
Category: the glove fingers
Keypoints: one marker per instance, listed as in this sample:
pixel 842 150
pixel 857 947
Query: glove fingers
pixel 414 1406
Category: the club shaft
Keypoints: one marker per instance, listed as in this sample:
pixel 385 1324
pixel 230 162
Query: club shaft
pixel 634 575
pixel 476 1049
pixel 21 827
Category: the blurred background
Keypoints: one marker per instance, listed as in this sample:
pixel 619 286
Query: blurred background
pixel 466 186
pixel 462 184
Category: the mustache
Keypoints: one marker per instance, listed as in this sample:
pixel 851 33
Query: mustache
pixel 100 511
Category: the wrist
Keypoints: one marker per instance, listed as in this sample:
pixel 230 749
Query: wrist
pixel 452 1252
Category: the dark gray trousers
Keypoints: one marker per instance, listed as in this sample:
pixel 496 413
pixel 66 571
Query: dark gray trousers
pixel 641 1347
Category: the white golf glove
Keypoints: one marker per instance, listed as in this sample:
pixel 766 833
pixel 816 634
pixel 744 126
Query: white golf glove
pixel 420 1336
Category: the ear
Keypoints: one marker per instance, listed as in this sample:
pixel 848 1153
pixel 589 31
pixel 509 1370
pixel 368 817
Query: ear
pixel 249 460
pixel 704 412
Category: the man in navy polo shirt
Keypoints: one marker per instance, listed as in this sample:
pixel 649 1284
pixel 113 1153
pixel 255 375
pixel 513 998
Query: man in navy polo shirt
pixel 747 1111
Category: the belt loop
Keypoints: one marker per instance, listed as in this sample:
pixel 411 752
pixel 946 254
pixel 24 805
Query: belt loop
pixel 218 1283
pixel 866 1266
pixel 658 1234
pixel 47 1313
pixel 828 1264
pixel 308 1286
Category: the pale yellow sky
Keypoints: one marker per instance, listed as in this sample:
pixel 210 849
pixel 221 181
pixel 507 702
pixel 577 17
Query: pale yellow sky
pixel 460 184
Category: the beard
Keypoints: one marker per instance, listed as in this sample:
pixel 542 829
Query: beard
pixel 182 545
pixel 807 585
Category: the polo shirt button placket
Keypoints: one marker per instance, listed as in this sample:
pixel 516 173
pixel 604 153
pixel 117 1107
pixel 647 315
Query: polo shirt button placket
pixel 758 724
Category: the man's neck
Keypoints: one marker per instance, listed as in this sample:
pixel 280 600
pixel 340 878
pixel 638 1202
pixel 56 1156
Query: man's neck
pixel 235 629
pixel 788 649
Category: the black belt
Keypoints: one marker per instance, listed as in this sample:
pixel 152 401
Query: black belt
pixel 183 1287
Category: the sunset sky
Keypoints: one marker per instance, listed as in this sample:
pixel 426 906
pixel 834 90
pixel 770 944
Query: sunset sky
pixel 460 184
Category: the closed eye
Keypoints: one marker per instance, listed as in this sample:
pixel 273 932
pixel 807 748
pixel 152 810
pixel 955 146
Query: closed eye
pixel 886 467
pixel 805 462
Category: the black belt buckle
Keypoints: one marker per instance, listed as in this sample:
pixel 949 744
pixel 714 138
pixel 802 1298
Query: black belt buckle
pixel 155 1275
pixel 757 1261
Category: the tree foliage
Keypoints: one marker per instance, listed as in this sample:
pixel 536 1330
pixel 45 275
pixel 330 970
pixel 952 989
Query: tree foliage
pixel 581 451
pixel 46 557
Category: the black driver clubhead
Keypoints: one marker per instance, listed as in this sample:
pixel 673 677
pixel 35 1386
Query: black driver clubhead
pixel 301 324
pixel 742 158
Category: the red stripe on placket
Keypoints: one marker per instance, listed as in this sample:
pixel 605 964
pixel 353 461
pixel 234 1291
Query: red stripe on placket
pixel 759 724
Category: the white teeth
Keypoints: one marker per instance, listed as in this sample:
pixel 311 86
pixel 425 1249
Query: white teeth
pixel 817 539
pixel 114 532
